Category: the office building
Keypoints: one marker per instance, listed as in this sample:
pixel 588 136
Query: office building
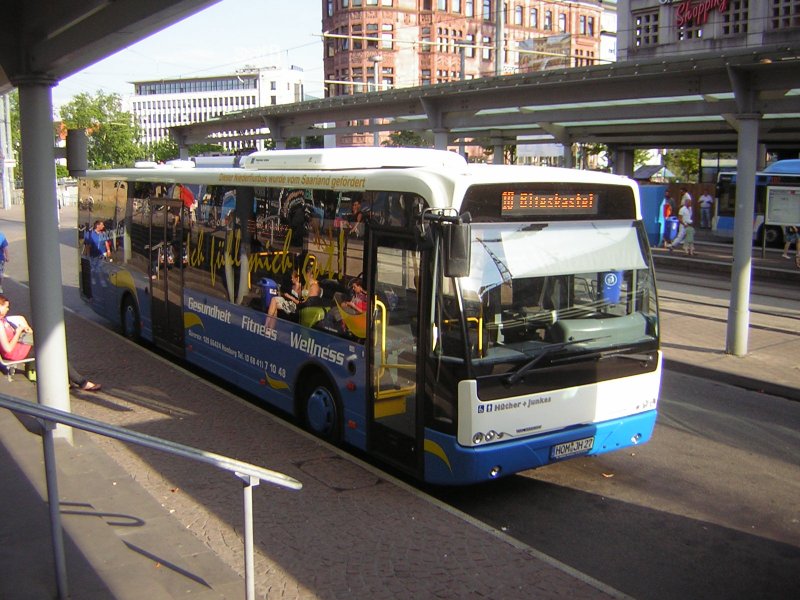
pixel 384 44
pixel 655 28
pixel 163 103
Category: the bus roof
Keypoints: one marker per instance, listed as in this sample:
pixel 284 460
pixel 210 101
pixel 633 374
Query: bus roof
pixel 784 167
pixel 332 159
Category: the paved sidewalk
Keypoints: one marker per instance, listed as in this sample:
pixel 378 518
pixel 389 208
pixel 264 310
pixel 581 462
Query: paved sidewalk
pixel 140 524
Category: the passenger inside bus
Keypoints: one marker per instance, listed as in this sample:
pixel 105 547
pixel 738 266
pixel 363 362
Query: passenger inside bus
pixel 347 316
pixel 288 300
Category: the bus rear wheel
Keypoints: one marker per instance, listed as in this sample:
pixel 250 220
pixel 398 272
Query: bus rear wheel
pixel 321 411
pixel 131 326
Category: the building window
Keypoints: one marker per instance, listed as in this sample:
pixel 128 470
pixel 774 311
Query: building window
pixel 455 6
pixel 330 8
pixel 690 31
pixel 518 15
pixel 562 22
pixel 645 32
pixel 469 48
pixel 590 26
pixel 469 8
pixel 534 19
pixel 441 5
pixel 582 24
pixel 487 10
pixel 734 22
pixel 486 48
pixel 548 20
pixel 785 14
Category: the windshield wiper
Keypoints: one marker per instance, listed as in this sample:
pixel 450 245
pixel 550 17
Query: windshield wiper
pixel 547 350
pixel 617 353
pixel 621 354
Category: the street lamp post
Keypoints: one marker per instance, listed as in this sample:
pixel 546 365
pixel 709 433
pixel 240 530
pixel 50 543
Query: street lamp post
pixel 376 60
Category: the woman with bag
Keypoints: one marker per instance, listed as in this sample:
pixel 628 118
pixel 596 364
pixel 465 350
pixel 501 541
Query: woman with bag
pixel 16 344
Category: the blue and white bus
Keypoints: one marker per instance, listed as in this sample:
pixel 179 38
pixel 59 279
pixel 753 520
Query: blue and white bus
pixel 511 319
pixel 782 173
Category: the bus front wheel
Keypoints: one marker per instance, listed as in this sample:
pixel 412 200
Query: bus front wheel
pixel 774 236
pixel 321 411
pixel 131 326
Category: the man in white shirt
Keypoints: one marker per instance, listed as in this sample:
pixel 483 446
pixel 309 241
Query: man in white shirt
pixel 706 202
pixel 686 229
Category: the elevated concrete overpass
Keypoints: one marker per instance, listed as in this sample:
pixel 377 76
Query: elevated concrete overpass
pixel 692 101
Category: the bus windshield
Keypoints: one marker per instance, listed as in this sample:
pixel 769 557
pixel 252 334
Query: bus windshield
pixel 557 290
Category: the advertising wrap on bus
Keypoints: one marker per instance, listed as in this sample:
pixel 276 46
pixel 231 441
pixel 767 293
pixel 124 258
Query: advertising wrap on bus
pixel 459 322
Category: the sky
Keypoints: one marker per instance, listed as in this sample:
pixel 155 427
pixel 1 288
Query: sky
pixel 220 39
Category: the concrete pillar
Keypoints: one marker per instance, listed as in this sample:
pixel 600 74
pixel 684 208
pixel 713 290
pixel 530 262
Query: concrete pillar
pixel 440 138
pixel 42 239
pixel 739 308
pixel 569 160
pixel 622 162
pixel 497 156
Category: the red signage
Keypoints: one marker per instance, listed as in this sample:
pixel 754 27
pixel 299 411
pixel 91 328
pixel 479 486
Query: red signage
pixel 697 13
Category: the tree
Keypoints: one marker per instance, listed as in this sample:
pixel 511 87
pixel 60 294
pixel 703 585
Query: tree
pixel 15 132
pixel 112 132
pixel 685 164
pixel 640 157
pixel 406 139
pixel 162 150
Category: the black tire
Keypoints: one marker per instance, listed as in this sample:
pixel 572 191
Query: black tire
pixel 129 320
pixel 322 413
pixel 774 236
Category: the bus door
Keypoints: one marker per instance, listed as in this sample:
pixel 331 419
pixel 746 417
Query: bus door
pixel 166 272
pixel 395 409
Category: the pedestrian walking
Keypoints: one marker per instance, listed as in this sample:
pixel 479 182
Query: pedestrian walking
pixel 3 258
pixel 685 228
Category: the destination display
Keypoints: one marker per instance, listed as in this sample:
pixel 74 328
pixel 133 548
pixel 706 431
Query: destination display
pixel 534 203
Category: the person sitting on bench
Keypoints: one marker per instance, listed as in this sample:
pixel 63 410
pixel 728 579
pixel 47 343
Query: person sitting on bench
pixel 13 347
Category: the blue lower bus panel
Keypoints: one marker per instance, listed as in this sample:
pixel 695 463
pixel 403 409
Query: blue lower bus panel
pixel 450 464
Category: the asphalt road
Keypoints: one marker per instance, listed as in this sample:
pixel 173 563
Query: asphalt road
pixel 707 509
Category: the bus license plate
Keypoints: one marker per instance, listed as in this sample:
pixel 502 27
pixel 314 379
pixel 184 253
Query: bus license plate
pixel 571 448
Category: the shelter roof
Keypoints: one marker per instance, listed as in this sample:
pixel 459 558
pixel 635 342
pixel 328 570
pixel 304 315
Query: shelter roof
pixel 53 39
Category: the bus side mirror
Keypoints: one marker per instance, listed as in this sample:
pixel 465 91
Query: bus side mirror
pixel 459 244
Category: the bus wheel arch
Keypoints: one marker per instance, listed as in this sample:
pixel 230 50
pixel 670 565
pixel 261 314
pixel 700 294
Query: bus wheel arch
pixel 318 405
pixel 130 322
pixel 774 236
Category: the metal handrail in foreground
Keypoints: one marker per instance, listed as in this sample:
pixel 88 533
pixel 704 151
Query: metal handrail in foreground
pixel 251 475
